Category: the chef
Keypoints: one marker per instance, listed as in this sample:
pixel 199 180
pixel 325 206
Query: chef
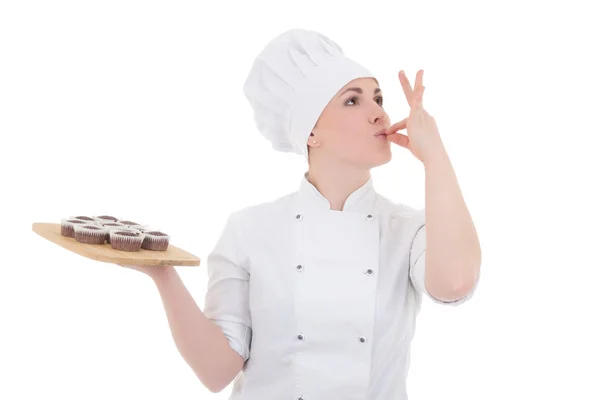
pixel 318 291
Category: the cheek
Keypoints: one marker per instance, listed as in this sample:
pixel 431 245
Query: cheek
pixel 350 141
pixel 350 130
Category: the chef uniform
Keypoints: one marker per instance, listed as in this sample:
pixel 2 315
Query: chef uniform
pixel 321 303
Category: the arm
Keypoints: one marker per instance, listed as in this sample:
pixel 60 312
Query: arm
pixel 200 342
pixel 453 250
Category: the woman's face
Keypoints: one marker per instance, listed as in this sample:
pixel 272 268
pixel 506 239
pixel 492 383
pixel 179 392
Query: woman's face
pixel 345 131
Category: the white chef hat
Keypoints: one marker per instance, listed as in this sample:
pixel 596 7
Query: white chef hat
pixel 290 83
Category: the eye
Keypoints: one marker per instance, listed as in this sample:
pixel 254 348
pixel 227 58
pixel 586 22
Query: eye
pixel 378 99
pixel 354 99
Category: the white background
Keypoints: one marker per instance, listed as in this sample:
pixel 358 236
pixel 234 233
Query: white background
pixel 135 108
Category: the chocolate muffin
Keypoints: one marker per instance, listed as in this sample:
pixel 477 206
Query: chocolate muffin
pixel 84 218
pixel 66 226
pixel 126 240
pixel 155 240
pixel 105 218
pixel 130 224
pixel 144 229
pixel 111 226
pixel 90 234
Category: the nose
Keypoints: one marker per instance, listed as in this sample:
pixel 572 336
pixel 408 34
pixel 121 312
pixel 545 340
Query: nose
pixel 379 117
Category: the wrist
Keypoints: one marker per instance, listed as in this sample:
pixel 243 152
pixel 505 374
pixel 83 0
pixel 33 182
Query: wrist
pixel 436 158
pixel 161 273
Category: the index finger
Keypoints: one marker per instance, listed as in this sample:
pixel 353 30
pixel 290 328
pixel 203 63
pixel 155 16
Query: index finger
pixel 408 91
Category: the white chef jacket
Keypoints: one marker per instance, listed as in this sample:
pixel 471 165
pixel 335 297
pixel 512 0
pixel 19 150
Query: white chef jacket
pixel 321 303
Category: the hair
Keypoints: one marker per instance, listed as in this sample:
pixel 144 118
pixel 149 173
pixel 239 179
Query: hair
pixel 308 150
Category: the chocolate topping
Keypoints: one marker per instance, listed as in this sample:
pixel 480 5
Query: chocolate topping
pixel 155 233
pixel 85 218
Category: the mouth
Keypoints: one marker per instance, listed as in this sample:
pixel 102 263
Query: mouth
pixel 382 134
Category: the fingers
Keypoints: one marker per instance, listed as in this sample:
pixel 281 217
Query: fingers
pixel 413 96
pixel 399 139
pixel 419 79
pixel 397 126
pixel 418 98
pixel 408 91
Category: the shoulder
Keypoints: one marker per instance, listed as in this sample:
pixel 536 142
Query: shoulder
pixel 401 218
pixel 265 212
pixel 399 210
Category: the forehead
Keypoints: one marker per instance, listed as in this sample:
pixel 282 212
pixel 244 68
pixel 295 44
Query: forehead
pixel 367 84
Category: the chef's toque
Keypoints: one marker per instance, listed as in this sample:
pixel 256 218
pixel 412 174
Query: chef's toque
pixel 290 83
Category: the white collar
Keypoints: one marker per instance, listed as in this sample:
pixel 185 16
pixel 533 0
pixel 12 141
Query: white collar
pixel 362 200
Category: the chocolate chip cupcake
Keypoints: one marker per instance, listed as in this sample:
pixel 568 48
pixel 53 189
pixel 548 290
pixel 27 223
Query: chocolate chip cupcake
pixel 155 240
pixel 126 240
pixel 66 226
pixel 102 219
pixel 90 234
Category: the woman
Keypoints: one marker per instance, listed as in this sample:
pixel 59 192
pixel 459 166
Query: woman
pixel 314 295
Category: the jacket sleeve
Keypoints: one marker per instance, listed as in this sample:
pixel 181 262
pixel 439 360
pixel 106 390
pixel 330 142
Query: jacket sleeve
pixel 226 301
pixel 416 264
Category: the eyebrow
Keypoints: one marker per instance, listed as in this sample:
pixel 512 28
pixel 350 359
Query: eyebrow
pixel 358 90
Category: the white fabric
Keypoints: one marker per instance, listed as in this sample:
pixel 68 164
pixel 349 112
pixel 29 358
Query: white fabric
pixel 290 83
pixel 294 267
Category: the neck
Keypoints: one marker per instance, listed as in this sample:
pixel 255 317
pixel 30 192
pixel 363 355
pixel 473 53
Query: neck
pixel 337 183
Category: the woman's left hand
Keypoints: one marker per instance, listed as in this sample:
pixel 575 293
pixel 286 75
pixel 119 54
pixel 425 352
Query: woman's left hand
pixel 423 138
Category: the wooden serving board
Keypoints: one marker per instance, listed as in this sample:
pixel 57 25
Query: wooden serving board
pixel 105 253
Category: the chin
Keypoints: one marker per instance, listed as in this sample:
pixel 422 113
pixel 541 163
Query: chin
pixel 382 158
pixel 378 160
pixel 382 162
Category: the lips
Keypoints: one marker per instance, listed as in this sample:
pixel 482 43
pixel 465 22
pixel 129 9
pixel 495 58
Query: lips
pixel 381 132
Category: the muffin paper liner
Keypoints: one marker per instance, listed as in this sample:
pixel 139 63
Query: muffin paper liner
pixel 66 226
pixel 90 234
pixel 109 226
pixel 157 243
pixel 126 240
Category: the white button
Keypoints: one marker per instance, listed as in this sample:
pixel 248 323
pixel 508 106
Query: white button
pixel 369 271
pixel 299 217
pixel 300 336
pixel 299 268
pixel 300 398
pixel 362 339
pixel 369 216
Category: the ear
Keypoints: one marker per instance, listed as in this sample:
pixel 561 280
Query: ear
pixel 312 141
